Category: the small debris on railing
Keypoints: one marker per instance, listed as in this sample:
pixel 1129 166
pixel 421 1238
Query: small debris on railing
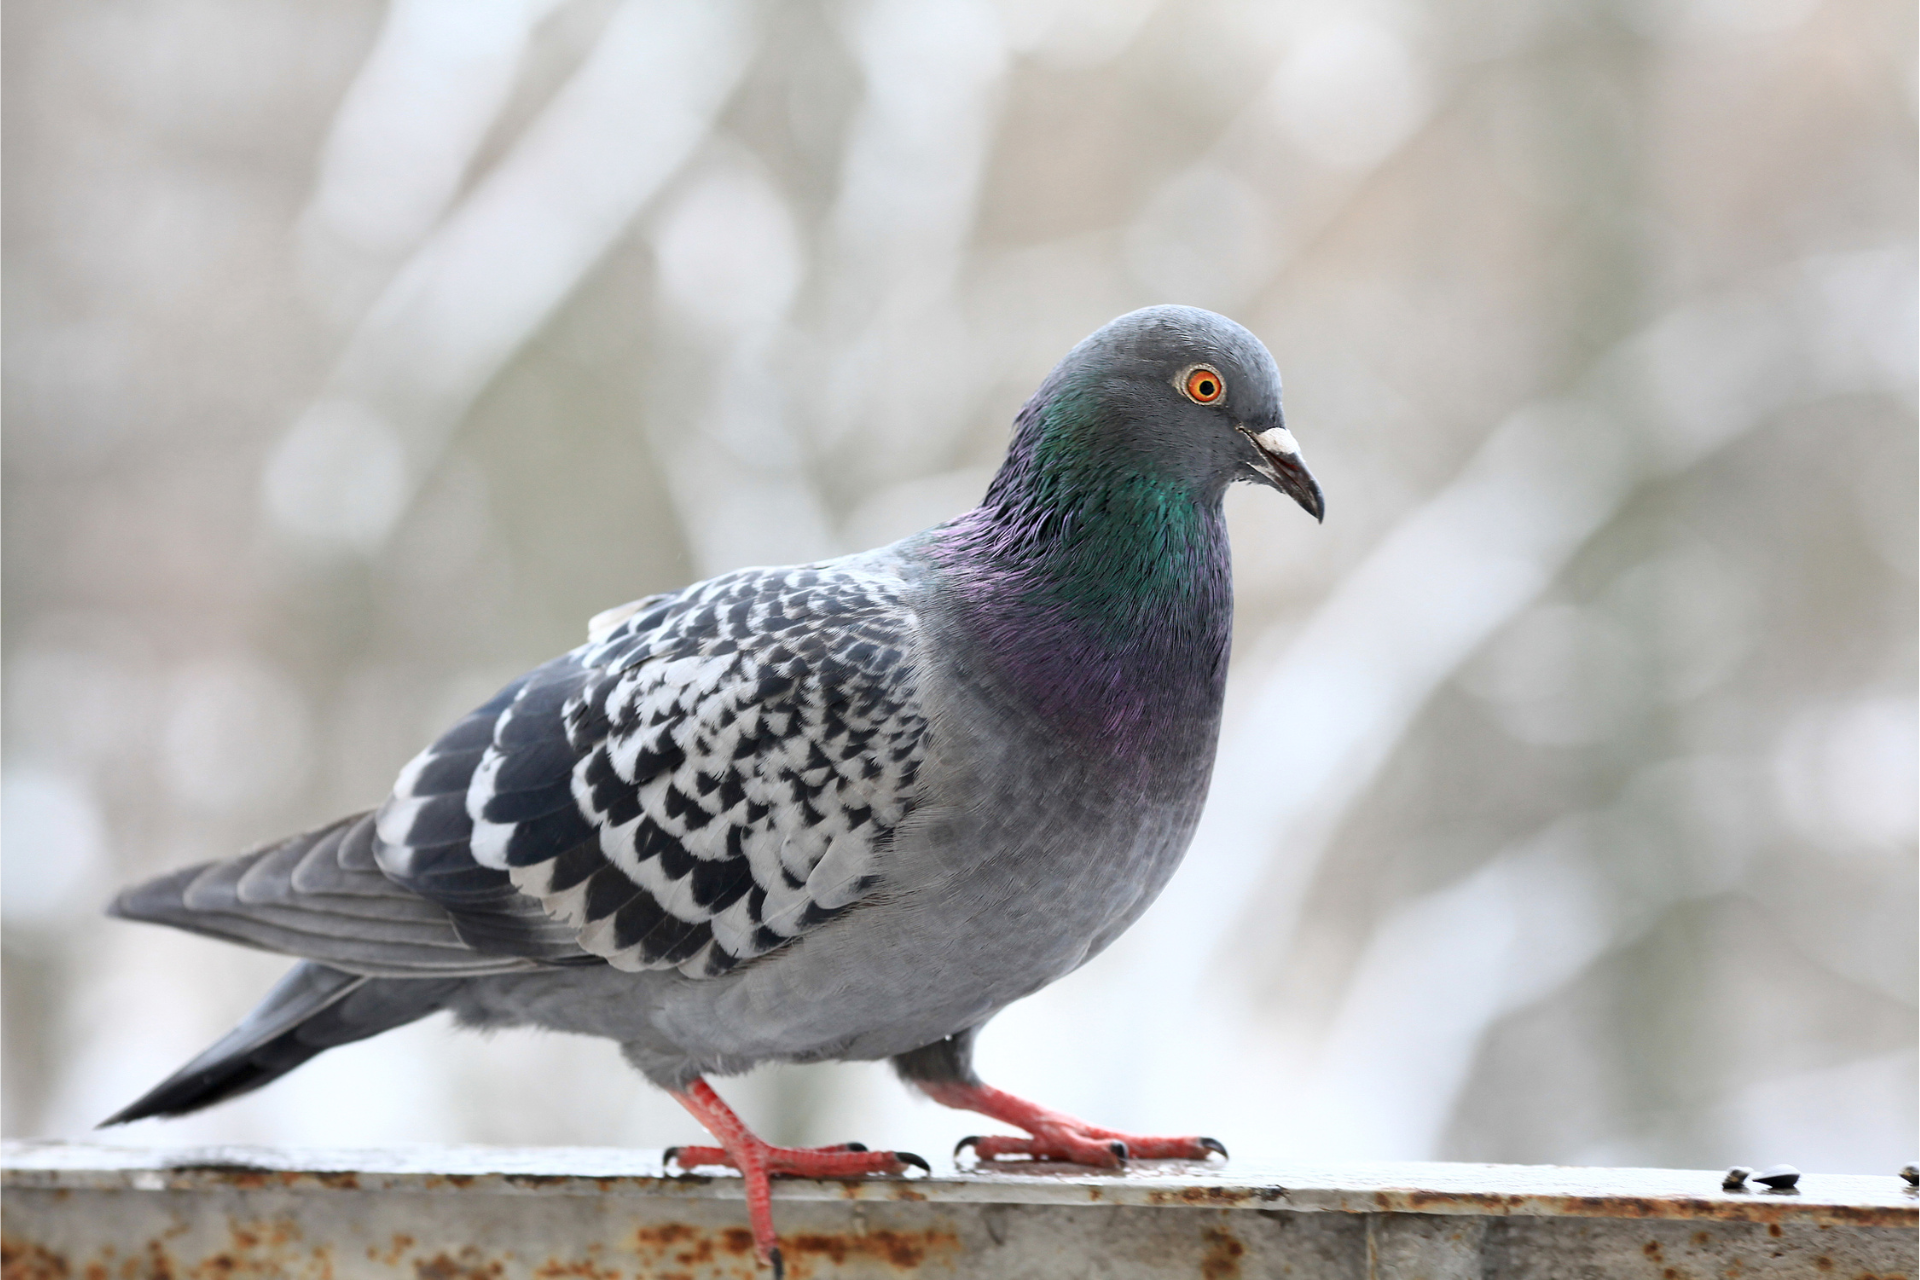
pixel 1736 1178
pixel 1779 1177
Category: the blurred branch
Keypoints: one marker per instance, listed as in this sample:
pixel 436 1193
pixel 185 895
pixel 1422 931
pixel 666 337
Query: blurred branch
pixel 505 258
pixel 404 137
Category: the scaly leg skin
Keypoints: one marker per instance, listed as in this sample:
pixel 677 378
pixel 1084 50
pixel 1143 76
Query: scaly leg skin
pixel 757 1161
pixel 691 1158
pixel 1056 1136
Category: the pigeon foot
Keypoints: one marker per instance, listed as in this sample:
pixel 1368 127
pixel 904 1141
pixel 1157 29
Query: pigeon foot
pixel 1057 1136
pixel 757 1160
pixel 800 1162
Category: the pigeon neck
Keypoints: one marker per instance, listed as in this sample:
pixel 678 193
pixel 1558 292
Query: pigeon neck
pixel 1101 599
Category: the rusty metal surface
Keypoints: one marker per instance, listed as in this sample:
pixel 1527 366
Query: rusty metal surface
pixel 600 1214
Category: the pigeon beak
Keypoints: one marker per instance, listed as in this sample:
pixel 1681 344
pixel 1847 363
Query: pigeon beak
pixel 1281 467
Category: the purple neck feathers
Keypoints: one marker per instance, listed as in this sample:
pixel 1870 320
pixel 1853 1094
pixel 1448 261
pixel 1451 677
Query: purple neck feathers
pixel 1105 609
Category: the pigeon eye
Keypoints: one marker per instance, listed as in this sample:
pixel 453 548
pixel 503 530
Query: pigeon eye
pixel 1204 386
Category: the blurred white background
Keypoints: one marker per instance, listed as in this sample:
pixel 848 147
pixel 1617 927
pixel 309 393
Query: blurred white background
pixel 357 353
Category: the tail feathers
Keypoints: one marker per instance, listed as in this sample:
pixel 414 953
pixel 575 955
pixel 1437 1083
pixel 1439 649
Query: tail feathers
pixel 319 896
pixel 312 1009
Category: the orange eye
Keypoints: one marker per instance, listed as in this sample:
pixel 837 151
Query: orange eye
pixel 1205 387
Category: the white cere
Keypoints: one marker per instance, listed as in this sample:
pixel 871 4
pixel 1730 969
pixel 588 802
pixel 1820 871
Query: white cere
pixel 1278 440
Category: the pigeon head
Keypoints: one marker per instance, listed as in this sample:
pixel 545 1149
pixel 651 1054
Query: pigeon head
pixel 1174 396
pixel 1096 577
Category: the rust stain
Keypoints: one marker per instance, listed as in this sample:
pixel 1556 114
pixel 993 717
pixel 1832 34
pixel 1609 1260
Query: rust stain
pixel 263 1250
pixel 689 1246
pixel 1222 1258
pixel 1217 1197
pixel 678 1245
pixel 901 1250
pixel 1652 1249
pixel 1647 1207
pixel 664 1247
pixel 250 1177
pixel 258 1250
pixel 271 1249
pixel 25 1260
pixel 469 1265
pixel 344 1180
pixel 401 1243
pixel 583 1269
pixel 230 1170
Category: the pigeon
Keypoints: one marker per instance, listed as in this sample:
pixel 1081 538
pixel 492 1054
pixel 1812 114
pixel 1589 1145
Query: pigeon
pixel 846 810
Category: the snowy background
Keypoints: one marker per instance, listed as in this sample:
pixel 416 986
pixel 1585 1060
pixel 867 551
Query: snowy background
pixel 357 353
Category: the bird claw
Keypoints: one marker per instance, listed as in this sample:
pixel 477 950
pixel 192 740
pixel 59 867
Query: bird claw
pixel 1097 1148
pixel 686 1159
pixel 1054 1135
pixel 807 1162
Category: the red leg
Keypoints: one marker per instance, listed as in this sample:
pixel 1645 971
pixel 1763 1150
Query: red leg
pixel 696 1157
pixel 757 1161
pixel 1057 1136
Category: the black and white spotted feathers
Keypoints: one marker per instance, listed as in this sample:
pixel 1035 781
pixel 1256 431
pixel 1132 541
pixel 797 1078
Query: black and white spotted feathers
pixel 714 773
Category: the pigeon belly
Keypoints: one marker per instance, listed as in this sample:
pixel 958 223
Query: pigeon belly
pixel 956 939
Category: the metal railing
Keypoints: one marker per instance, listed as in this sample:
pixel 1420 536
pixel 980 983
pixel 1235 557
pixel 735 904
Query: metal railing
pixel 473 1213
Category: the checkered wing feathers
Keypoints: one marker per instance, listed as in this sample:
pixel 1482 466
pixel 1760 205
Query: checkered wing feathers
pixel 713 774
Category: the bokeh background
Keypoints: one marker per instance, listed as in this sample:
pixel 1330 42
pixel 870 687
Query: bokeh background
pixel 357 353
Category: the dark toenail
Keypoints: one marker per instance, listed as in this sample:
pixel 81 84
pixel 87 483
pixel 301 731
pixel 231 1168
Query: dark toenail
pixel 779 1263
pixel 965 1142
pixel 856 1146
pixel 1213 1144
pixel 1118 1148
pixel 907 1157
pixel 668 1156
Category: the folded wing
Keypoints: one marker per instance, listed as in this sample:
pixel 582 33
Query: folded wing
pixel 715 775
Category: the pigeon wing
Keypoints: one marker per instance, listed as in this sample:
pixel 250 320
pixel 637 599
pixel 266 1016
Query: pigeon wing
pixel 715 773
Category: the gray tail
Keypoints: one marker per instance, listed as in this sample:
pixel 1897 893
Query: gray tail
pixel 312 1009
pixel 321 896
